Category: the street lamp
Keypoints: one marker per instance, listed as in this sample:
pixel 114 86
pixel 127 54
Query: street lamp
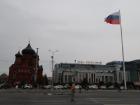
pixel 52 61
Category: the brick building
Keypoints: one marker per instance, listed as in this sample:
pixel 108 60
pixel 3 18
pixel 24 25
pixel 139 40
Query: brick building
pixel 26 68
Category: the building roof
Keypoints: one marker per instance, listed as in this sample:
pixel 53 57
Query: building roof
pixel 84 66
pixel 18 54
pixel 28 50
pixel 136 61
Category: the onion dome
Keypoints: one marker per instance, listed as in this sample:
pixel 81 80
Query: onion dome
pixel 18 54
pixel 28 50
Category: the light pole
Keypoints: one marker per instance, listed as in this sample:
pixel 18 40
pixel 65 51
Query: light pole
pixel 52 62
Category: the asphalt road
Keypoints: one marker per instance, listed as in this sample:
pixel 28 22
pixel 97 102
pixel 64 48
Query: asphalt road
pixel 47 97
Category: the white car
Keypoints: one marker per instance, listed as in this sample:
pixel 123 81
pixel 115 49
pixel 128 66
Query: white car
pixel 103 87
pixel 77 86
pixel 28 86
pixel 47 86
pixel 93 87
pixel 58 87
pixel 16 86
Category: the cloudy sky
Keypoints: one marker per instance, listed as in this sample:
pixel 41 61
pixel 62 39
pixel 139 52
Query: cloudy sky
pixel 74 27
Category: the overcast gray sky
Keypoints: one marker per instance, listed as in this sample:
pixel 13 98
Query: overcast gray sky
pixel 74 27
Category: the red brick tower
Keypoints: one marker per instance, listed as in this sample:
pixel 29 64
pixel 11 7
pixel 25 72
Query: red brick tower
pixel 26 68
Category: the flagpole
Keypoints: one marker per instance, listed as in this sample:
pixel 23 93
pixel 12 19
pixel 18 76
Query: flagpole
pixel 124 73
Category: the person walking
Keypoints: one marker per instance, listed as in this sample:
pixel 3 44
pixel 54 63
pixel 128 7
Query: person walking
pixel 72 89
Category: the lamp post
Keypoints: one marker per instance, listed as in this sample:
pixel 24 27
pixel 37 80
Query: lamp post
pixel 52 62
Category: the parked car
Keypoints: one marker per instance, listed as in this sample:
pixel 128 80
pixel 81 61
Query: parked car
pixel 77 86
pixel 102 87
pixel 93 87
pixel 16 86
pixel 111 87
pixel 47 87
pixel 28 86
pixel 58 87
pixel 66 86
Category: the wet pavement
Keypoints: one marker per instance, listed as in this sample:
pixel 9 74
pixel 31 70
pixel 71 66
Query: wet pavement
pixel 63 97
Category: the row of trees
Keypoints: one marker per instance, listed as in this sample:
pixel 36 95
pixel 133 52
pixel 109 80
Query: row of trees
pixel 5 84
pixel 39 83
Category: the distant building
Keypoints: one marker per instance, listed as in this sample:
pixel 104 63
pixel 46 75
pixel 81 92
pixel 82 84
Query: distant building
pixel 26 68
pixel 65 73
pixel 137 69
pixel 119 71
pixel 95 73
pixel 132 69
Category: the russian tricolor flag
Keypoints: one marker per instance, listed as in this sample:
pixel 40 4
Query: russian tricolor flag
pixel 113 18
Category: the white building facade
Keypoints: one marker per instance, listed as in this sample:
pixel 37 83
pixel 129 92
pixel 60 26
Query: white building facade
pixel 65 73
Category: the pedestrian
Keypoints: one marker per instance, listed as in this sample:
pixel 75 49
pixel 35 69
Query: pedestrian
pixel 72 89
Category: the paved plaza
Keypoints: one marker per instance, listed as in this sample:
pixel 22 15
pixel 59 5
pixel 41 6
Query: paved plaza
pixel 62 97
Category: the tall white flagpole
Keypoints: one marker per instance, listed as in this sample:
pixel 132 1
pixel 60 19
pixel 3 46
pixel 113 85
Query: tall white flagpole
pixel 124 73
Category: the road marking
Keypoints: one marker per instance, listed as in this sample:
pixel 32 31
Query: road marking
pixel 108 101
pixel 102 100
pixel 120 104
pixel 48 101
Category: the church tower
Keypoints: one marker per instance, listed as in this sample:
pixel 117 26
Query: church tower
pixel 26 68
